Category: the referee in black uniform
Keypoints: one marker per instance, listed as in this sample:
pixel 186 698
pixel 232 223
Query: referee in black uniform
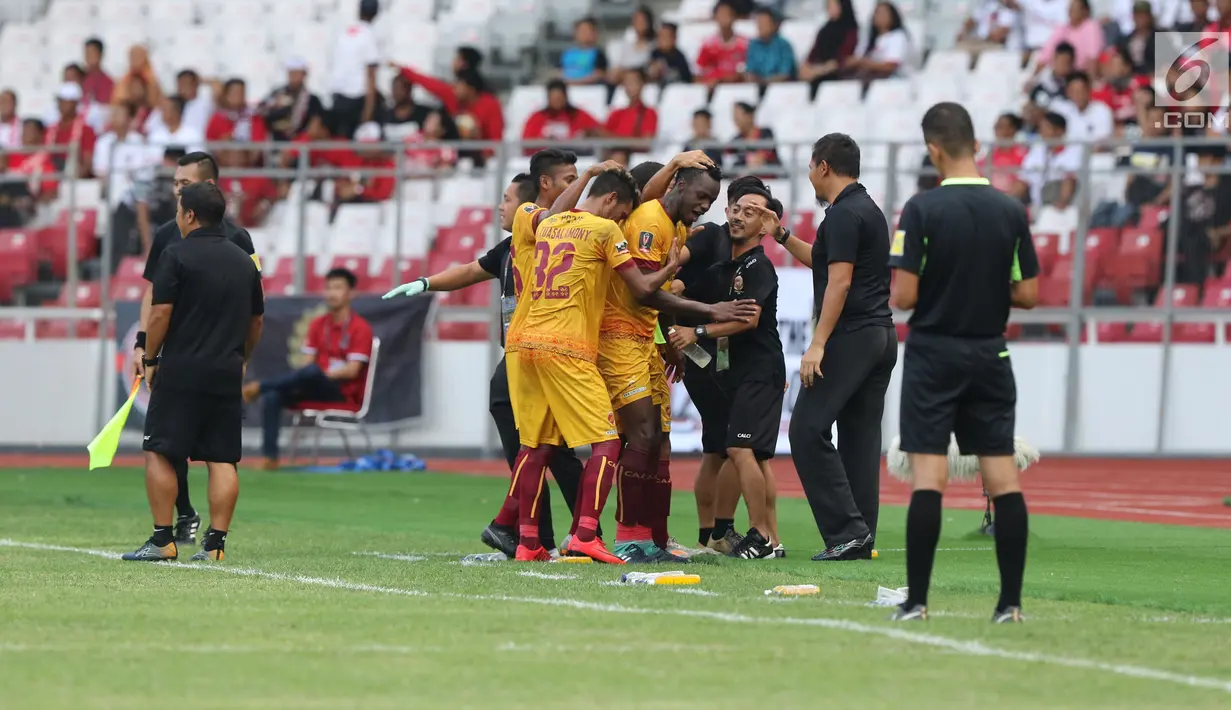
pixel 964 255
pixel 191 169
pixel 207 313
pixel 846 369
pixel 498 264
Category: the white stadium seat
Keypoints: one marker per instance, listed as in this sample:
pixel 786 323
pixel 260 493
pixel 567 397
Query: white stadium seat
pixel 801 34
pixel 890 92
pixel 675 109
pixel 723 102
pixel 839 94
pixel 649 95
pixel 952 63
pixel 524 101
pixel 591 99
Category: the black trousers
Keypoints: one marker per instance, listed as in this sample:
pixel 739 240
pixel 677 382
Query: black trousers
pixel 843 483
pixel 565 466
pixel 347 115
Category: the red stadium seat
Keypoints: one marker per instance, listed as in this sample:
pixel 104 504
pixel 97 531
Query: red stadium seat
pixel 53 240
pixel 282 282
pixel 1112 332
pixel 360 266
pixel 18 260
pixel 1102 243
pixel 408 268
pixel 88 296
pixel 460 241
pixel 778 255
pixel 474 217
pixel 122 291
pixel 1151 217
pixel 438 261
pixel 462 331
pixel 1047 247
pixel 1182 296
pixel 1138 262
pixel 1216 296
pixel 803 225
pixel 279 284
pixel 130 271
pixel 1013 331
pixel 12 329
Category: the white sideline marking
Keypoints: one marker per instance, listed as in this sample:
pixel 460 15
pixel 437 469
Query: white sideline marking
pixel 941 549
pixel 388 556
pixel 212 649
pixel 545 575
pixel 696 592
pixel 897 633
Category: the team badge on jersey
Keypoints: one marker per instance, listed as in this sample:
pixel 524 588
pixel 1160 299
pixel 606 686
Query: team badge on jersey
pixel 621 247
pixel 737 285
pixel 645 241
pixel 898 246
pixel 528 208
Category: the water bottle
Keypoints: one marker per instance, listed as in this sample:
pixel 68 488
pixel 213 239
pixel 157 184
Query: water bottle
pixel 698 355
pixel 793 590
pixel 483 558
pixel 659 578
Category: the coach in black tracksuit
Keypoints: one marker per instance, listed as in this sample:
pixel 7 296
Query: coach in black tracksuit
pixel 192 168
pixel 846 370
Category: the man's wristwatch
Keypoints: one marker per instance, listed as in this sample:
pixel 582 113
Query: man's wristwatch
pixel 700 332
pixel 784 235
pixel 149 362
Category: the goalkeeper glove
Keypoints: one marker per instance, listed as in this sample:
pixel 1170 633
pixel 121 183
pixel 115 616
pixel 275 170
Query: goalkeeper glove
pixel 414 288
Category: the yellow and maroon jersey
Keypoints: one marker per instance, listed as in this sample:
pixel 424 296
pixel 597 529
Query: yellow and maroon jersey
pixel 650 234
pixel 561 307
pixel 521 254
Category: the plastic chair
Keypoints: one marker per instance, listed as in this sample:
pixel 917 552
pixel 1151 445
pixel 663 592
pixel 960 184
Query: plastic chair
pixel 341 417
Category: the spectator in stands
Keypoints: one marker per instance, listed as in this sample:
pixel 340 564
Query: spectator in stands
pixel 1007 154
pixel 637 120
pixel 467 57
pixel 401 117
pixel 1199 16
pixel 1048 83
pixel 1049 171
pixel 356 56
pixel 10 124
pixel 71 129
pixel 96 85
pixel 138 104
pixel 286 110
pixel 199 102
pixel 835 43
pixel 139 87
pixel 632 51
pixel 235 120
pixel 1139 44
pixel 320 129
pixel 154 197
pixel 722 56
pixel 1081 31
pixel 888 51
pixel 703 136
pixel 249 198
pixel 95 114
pixel 1088 121
pixel 752 160
pixel 438 127
pixel 476 110
pixel 1223 23
pixel 36 161
pixel 584 62
pixel 171 129
pixel 369 156
pixel 1146 188
pixel 1039 19
pixel 668 65
pixel 119 155
pixel 990 25
pixel 16 203
pixel 771 58
pixel 559 121
pixel 1118 86
pixel 1205 218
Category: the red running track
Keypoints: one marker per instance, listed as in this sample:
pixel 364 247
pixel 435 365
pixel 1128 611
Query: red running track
pixel 1168 491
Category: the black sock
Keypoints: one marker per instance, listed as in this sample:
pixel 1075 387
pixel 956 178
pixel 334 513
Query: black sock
pixel 1012 529
pixel 721 526
pixel 703 536
pixel 214 540
pixel 163 535
pixel 922 533
pixel 183 504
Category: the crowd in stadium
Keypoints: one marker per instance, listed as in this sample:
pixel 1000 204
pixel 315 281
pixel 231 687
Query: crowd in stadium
pixel 1089 80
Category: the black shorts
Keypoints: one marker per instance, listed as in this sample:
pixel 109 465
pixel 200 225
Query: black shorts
pixel 710 400
pixel 755 417
pixel 195 425
pixel 962 386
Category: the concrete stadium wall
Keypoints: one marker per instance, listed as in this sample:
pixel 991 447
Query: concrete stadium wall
pixel 49 398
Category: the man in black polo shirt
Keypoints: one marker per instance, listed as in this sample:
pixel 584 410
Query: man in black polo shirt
pixel 191 169
pixel 964 256
pixel 207 313
pixel 845 371
pixel 748 366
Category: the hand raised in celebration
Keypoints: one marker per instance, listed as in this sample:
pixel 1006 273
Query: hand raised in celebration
pixel 770 224
pixel 604 167
pixel 741 311
pixel 694 159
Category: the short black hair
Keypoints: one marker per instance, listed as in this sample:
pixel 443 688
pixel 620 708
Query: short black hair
pixel 1086 4
pixel 671 27
pixel 587 20
pixel 174 153
pixel 703 113
pixel 746 185
pixel 95 43
pixel 188 73
pixel 1056 119
pixel 618 181
pixel 544 162
pixel 341 273
pixel 840 151
pixel 205 201
pixel 1078 76
pixel 767 10
pixel 38 123
pixel 639 72
pixel 643 172
pixel 557 84
pixel 727 4
pixel 471 56
pixel 1015 120
pixel 206 165
pixel 1065 48
pixel 687 175
pixel 526 189
pixel 368 9
pixel 471 77
pixel 746 107
pixel 234 81
pixel 74 66
pixel 948 126
pixel 775 205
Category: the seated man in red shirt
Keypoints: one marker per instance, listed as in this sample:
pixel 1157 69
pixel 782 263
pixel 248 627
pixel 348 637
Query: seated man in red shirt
pixel 559 121
pixel 341 344
pixel 723 55
pixel 635 120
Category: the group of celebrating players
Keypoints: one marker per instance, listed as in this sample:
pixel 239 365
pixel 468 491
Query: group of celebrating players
pixel 591 351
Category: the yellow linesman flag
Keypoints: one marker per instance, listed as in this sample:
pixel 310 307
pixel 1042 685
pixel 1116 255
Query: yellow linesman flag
pixel 102 449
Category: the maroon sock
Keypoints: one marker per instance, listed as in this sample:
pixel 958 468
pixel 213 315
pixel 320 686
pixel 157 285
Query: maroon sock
pixel 529 491
pixel 658 505
pixel 596 482
pixel 508 510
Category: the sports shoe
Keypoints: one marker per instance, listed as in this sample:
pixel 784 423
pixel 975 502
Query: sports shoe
pixel 1008 615
pixel 501 539
pixel 754 546
pixel 186 527
pixel 852 550
pixel 728 543
pixel 149 552
pixel 665 557
pixel 779 551
pixel 917 612
pixel 538 554
pixel 594 549
pixel 675 548
pixel 632 554
pixel 204 555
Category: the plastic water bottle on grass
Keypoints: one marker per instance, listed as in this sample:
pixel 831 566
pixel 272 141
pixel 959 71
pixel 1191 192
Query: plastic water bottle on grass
pixel 484 558
pixel 659 578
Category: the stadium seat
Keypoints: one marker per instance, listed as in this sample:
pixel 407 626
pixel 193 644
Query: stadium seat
pixel 1182 296
pixel 890 92
pixel 474 216
pixel 354 228
pixel 1151 217
pixel 649 96
pixel 18 260
pixel 675 110
pixel 724 99
pixel 839 95
pixel 1138 261
pixel 462 331
pixel 947 63
pixel 409 268
pixel 88 296
pixel 591 99
pixel 12 329
pixel 801 34
pixel 1102 243
pixel 126 291
pixel 131 271
pixel 778 255
pixel 461 244
pixel 281 283
pixel 53 240
pixel 341 417
pixel 1217 295
pixel 1047 249
pixel 802 224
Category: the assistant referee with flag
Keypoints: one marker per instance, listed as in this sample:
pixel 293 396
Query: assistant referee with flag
pixel 963 255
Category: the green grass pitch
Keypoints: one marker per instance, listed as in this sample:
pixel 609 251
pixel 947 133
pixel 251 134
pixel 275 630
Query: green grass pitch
pixel 1120 615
